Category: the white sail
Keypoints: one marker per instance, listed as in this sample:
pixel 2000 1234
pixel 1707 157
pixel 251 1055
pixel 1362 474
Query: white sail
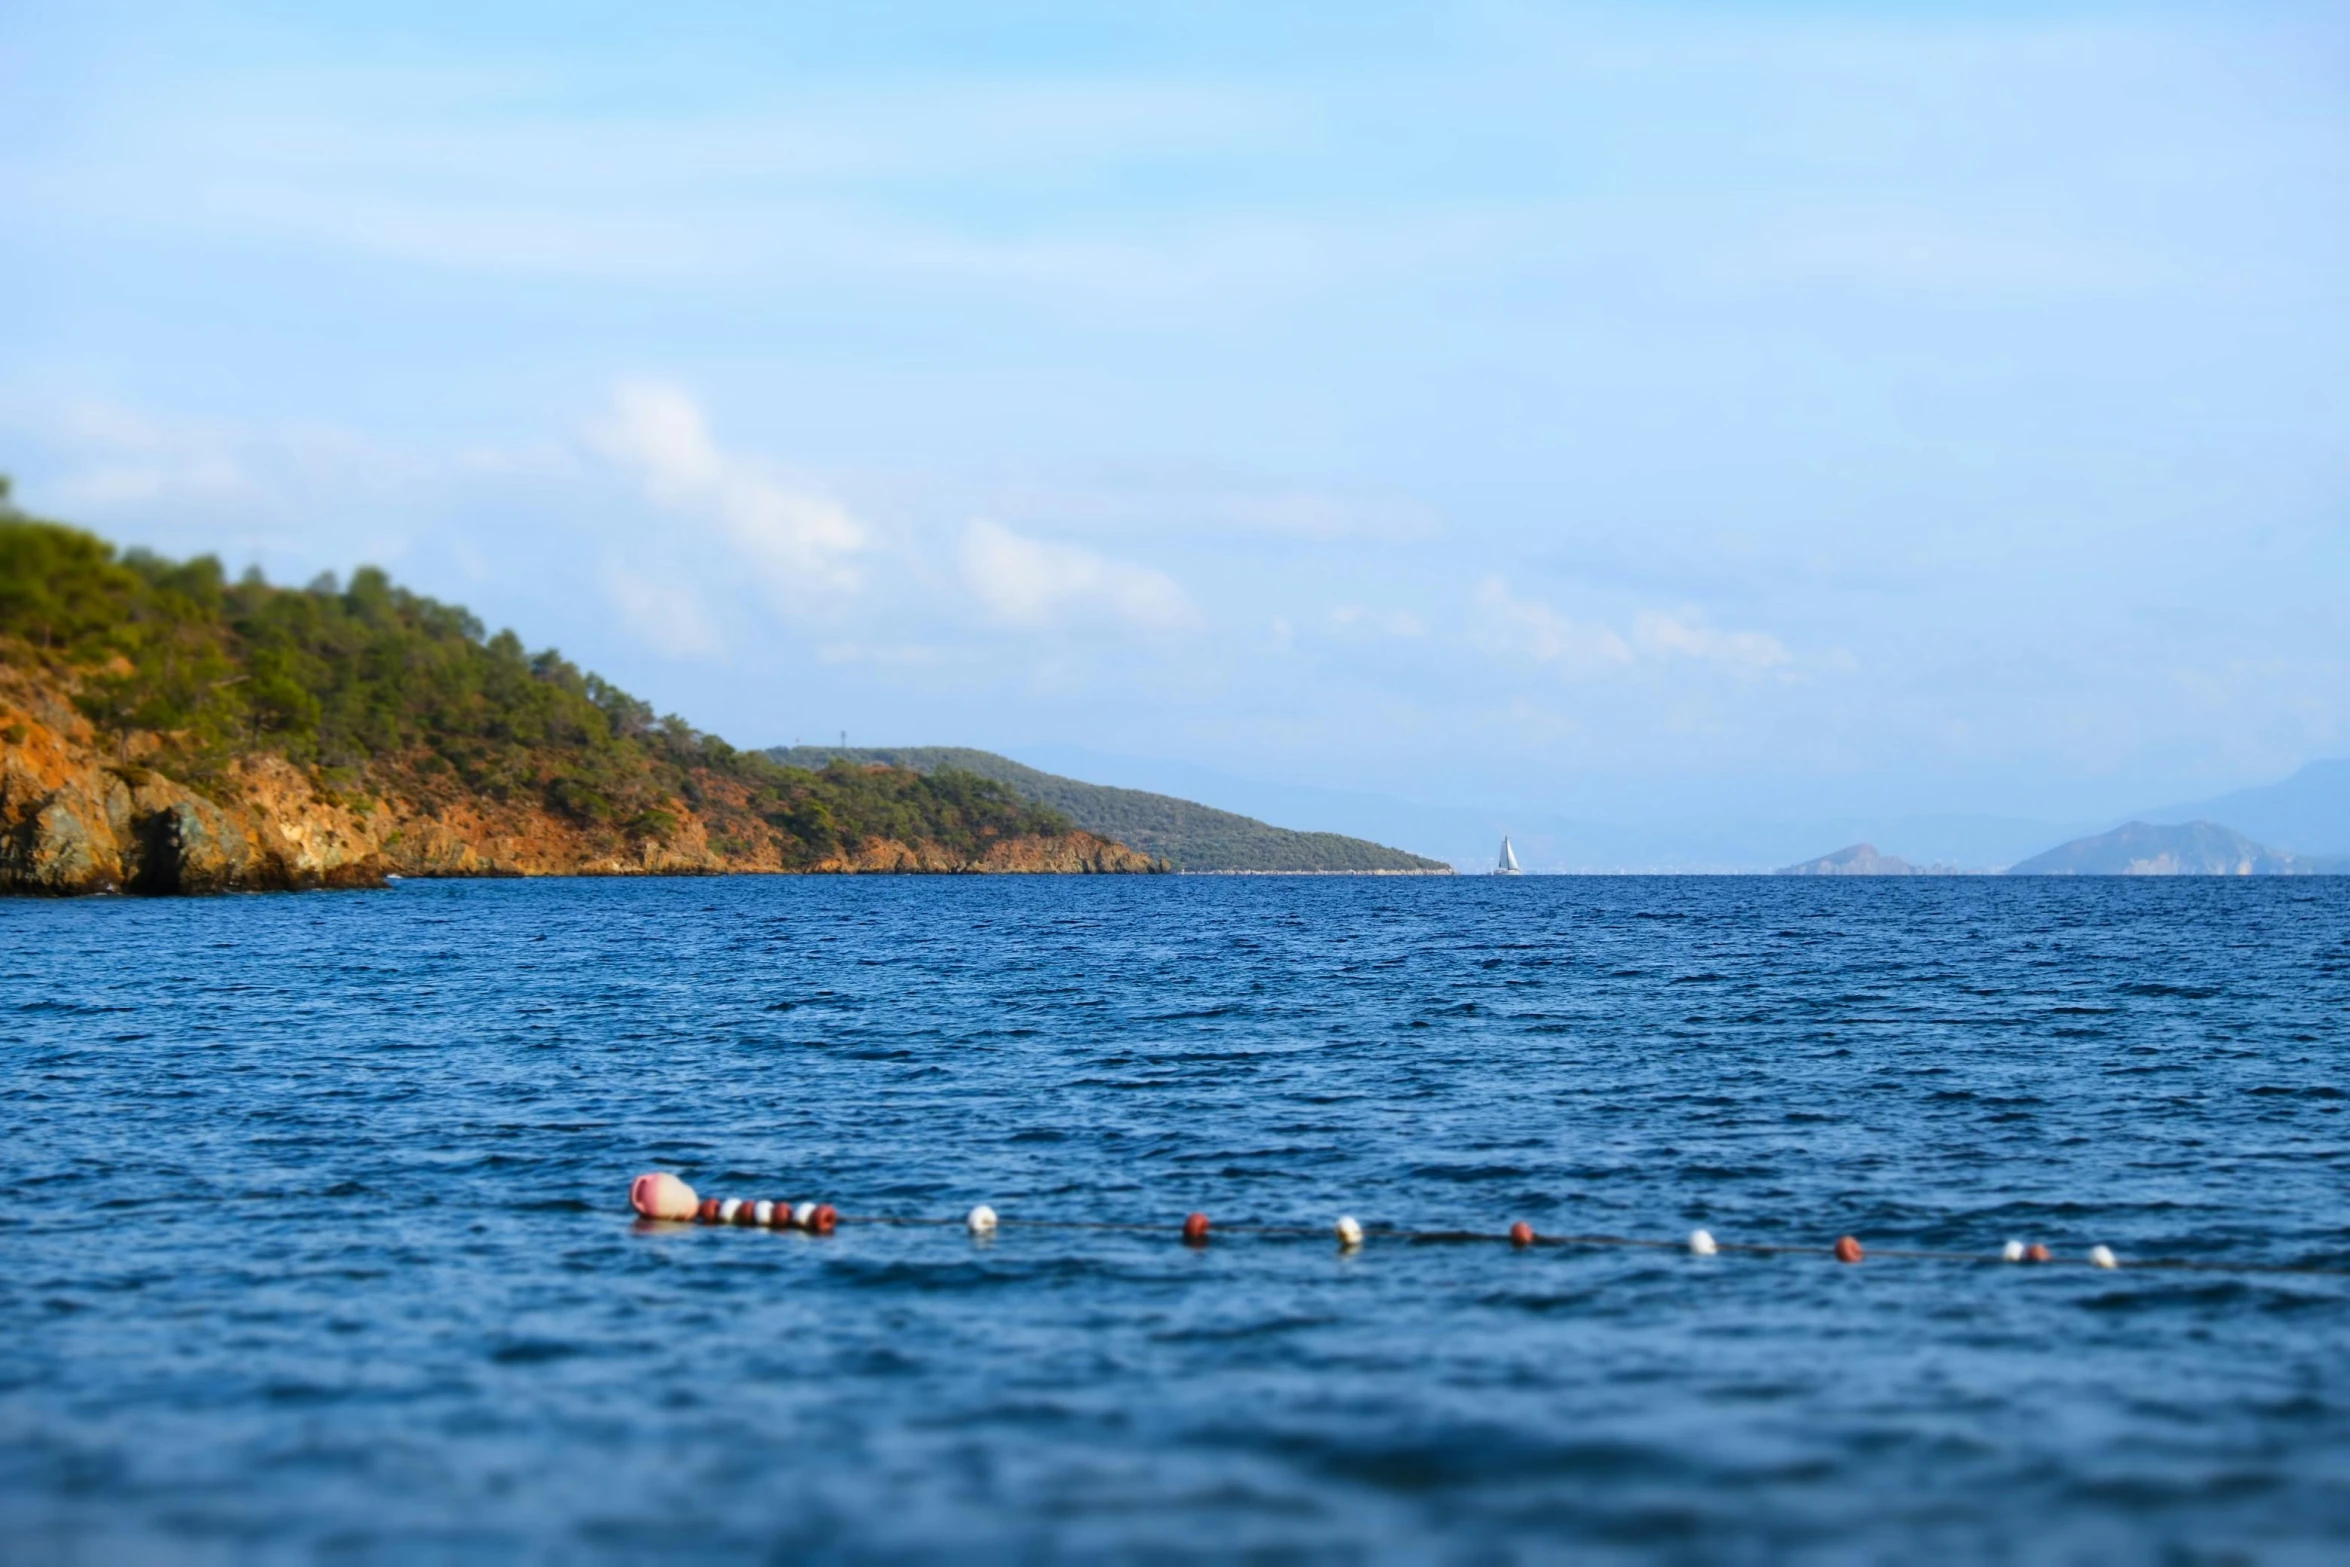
pixel 1509 860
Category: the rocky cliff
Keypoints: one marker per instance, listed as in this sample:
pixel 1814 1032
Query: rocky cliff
pixel 164 729
pixel 82 812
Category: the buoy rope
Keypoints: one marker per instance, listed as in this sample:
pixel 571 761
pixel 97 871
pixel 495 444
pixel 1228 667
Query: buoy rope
pixel 659 1197
pixel 1399 1233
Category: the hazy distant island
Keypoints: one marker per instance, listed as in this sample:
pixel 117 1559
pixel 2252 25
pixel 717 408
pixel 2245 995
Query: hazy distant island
pixel 164 729
pixel 2133 849
pixel 1861 859
pixel 2186 849
pixel 1189 837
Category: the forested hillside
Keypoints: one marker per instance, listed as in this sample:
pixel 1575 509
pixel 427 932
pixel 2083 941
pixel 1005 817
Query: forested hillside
pixel 407 716
pixel 1189 837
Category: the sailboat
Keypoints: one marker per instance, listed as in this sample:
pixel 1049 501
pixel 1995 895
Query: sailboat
pixel 1509 861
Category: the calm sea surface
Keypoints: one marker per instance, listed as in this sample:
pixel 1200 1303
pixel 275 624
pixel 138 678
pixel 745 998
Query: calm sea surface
pixel 317 1244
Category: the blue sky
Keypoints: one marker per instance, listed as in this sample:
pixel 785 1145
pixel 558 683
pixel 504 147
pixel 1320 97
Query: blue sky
pixel 1616 411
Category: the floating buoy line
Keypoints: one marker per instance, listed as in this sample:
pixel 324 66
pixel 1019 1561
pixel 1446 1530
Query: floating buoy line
pixel 665 1198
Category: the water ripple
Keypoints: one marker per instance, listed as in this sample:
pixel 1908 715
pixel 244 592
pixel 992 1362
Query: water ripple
pixel 320 1248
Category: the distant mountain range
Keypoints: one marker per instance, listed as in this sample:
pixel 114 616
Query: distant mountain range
pixel 2133 849
pixel 2162 849
pixel 2300 827
pixel 1189 836
pixel 2308 813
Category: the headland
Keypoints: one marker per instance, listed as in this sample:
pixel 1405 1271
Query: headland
pixel 164 729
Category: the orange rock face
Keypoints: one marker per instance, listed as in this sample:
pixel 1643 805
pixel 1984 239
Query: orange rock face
pixel 81 814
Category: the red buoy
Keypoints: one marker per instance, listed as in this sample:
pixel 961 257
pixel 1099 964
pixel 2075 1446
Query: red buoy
pixel 1195 1230
pixel 707 1213
pixel 782 1217
pixel 1521 1234
pixel 1848 1249
pixel 2035 1253
pixel 821 1222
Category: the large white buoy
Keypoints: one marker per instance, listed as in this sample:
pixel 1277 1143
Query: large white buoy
pixel 1701 1243
pixel 2103 1257
pixel 2013 1251
pixel 1350 1232
pixel 658 1195
pixel 981 1220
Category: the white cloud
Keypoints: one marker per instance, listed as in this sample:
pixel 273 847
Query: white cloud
pixel 1741 652
pixel 128 458
pixel 486 175
pixel 120 456
pixel 1535 630
pixel 1037 583
pixel 796 542
pixel 667 618
pixel 895 655
pixel 1581 650
pixel 1194 501
pixel 129 483
pixel 291 497
pixel 1392 622
pixel 1909 255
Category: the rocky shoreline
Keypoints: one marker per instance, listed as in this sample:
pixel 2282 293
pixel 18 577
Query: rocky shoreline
pixel 82 814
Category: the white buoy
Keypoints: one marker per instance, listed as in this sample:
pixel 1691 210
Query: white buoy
pixel 728 1209
pixel 1701 1243
pixel 2013 1251
pixel 981 1220
pixel 1350 1232
pixel 2103 1257
pixel 763 1213
pixel 801 1214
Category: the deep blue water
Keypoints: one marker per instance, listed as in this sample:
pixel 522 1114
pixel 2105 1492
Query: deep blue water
pixel 318 1245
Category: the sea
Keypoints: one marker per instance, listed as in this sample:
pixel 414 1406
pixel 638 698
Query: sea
pixel 317 1245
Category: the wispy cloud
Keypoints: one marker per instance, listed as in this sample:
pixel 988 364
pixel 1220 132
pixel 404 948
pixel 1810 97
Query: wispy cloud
pixel 1386 622
pixel 1741 652
pixel 666 617
pixel 1530 629
pixel 1937 255
pixel 1192 502
pixel 130 459
pixel 294 495
pixel 496 173
pixel 1039 583
pixel 798 543
pixel 122 456
pixel 895 655
pixel 1534 630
